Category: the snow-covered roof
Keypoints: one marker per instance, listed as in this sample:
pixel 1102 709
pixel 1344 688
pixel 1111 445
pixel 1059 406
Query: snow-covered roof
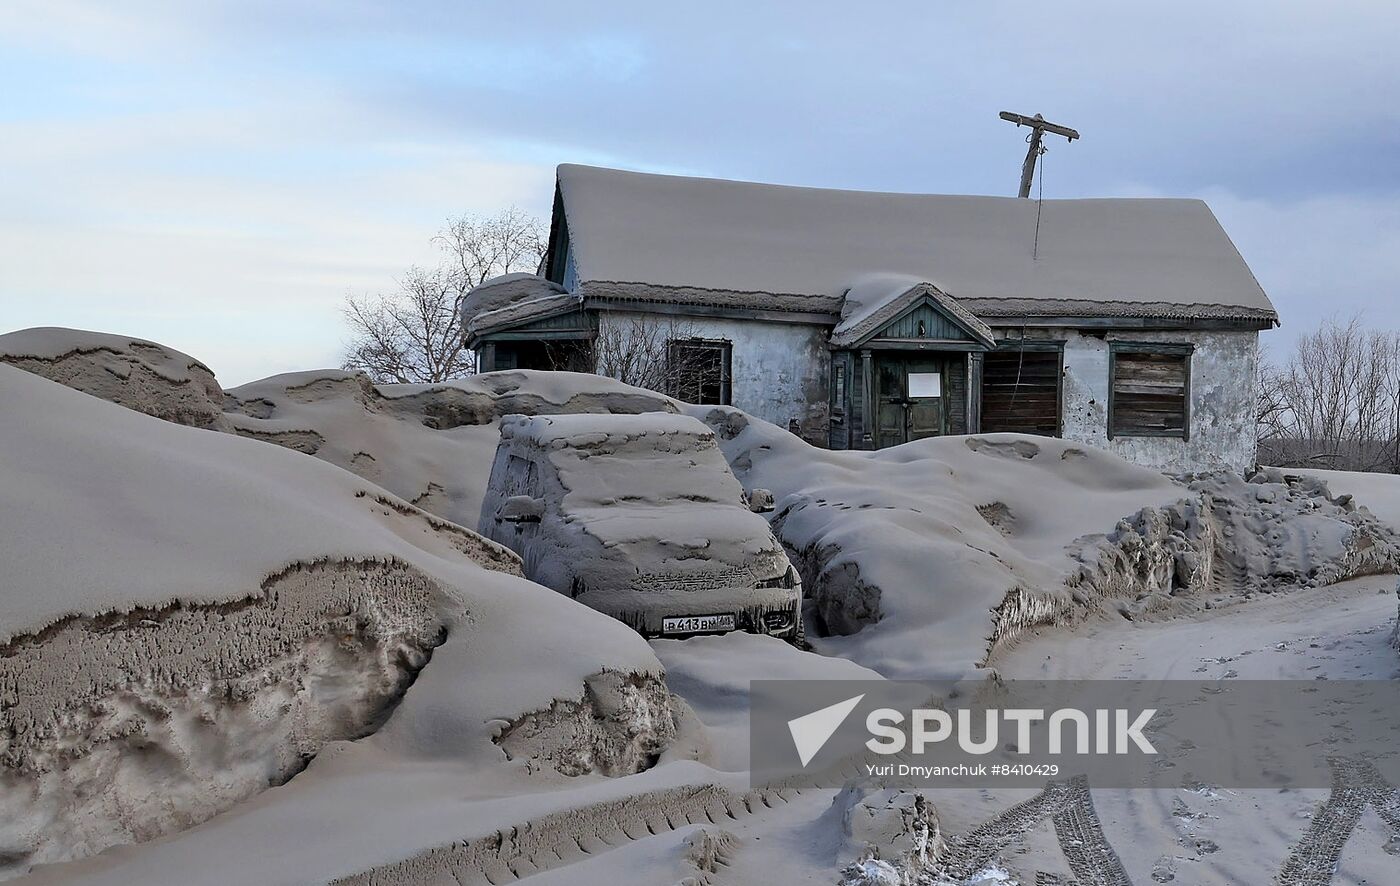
pixel 505 290
pixel 709 241
pixel 522 312
pixel 881 298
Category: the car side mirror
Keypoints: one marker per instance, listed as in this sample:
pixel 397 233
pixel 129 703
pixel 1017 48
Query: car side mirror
pixel 520 509
pixel 761 501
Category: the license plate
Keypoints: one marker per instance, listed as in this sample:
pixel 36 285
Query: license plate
pixel 697 624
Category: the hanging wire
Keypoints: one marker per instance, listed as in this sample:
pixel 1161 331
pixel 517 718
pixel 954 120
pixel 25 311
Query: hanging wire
pixel 1035 253
pixel 1020 362
pixel 1039 202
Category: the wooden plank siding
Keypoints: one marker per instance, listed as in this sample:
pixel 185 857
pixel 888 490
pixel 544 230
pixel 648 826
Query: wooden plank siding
pixel 934 326
pixel 1021 391
pixel 1150 392
pixel 955 399
pixel 857 400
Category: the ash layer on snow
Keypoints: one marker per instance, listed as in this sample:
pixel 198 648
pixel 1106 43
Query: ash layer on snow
pixel 188 618
pixel 1232 538
pixel 132 372
pixel 105 749
pixel 243 615
pixel 419 441
pixel 429 444
pixel 972 540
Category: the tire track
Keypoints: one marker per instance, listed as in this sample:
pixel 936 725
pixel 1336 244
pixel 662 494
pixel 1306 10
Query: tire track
pixel 569 836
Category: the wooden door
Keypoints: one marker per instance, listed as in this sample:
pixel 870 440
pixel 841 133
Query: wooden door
pixel 924 385
pixel 911 394
pixel 891 428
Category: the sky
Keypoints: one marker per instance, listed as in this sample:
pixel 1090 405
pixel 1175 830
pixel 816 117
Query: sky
pixel 219 176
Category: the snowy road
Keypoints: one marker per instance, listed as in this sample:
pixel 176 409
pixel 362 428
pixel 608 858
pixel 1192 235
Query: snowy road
pixel 1339 632
pixel 1217 835
pixel 1207 836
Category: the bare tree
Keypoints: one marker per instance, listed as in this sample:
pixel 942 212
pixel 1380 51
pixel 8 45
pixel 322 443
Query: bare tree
pixel 1272 401
pixel 657 353
pixel 1336 403
pixel 415 333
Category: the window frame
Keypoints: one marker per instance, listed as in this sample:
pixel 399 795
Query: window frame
pixel 840 388
pixel 1005 346
pixel 1185 350
pixel 726 366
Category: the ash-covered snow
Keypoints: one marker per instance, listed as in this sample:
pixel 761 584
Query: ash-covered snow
pixel 189 617
pixel 1378 493
pixel 136 373
pixel 971 540
pixel 431 444
pixel 894 550
pixel 755 240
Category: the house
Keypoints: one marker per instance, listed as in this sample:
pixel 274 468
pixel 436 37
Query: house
pixel 864 320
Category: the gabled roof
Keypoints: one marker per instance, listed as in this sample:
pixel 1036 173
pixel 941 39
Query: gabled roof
pixel 880 299
pixel 707 241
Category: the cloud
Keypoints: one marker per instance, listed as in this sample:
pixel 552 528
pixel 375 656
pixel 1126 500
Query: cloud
pixel 220 259
pixel 228 170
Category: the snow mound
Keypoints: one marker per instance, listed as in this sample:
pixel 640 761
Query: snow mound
pixel 429 444
pixel 188 618
pixel 108 749
pixel 895 831
pixel 922 560
pixel 1231 538
pixel 1378 493
pixel 133 372
pixel 906 553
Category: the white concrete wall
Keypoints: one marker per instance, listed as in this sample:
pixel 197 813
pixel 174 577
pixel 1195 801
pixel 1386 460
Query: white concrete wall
pixel 1224 372
pixel 780 370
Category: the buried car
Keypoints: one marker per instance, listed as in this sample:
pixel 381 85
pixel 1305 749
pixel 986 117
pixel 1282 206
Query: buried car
pixel 639 517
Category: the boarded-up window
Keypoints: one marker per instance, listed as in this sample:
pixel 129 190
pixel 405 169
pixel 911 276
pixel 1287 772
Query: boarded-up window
pixel 1150 390
pixel 1021 391
pixel 699 371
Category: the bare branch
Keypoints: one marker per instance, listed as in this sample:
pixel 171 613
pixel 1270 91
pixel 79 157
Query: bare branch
pixel 415 333
pixel 1336 403
pixel 641 351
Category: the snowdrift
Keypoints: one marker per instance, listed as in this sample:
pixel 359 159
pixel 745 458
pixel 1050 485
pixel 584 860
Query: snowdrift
pixel 429 444
pixel 921 560
pixel 133 372
pixel 228 662
pixel 1379 493
pixel 187 618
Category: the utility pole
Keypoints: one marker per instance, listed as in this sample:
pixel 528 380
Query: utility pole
pixel 1039 126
